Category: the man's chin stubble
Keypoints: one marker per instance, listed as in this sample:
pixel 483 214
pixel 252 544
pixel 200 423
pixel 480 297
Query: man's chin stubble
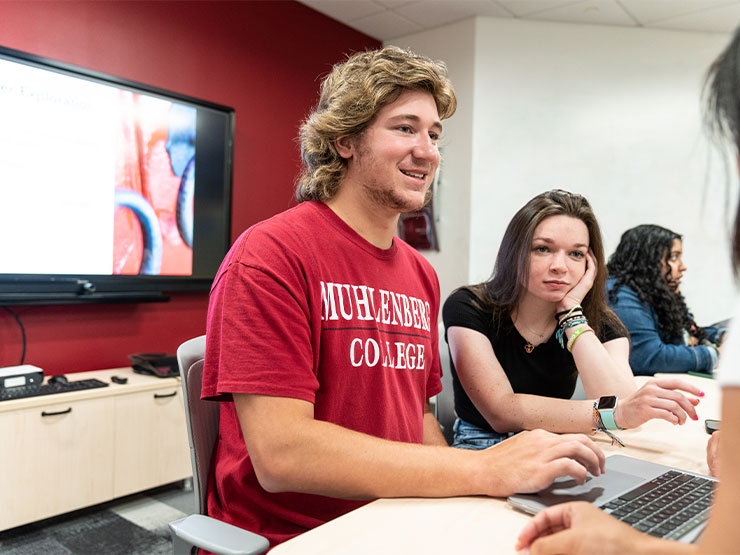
pixel 388 198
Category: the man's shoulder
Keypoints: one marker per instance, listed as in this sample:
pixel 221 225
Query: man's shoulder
pixel 406 250
pixel 282 228
pixel 303 214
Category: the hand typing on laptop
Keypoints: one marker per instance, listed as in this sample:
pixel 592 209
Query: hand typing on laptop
pixel 531 461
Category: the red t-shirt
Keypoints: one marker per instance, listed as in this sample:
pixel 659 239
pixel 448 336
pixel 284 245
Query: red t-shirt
pixel 305 308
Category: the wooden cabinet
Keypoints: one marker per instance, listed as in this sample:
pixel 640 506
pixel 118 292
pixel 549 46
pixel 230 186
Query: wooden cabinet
pixel 68 451
pixel 150 440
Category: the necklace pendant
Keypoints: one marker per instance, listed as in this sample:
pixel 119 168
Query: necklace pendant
pixel 529 347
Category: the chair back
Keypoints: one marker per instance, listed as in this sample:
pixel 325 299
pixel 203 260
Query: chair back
pixel 202 417
pixel 446 398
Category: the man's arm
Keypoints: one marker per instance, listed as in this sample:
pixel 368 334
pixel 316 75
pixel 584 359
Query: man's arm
pixel 432 432
pixel 291 451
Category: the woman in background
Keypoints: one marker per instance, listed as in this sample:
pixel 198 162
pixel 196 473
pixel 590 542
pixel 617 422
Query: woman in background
pixel 644 290
pixel 583 528
pixel 519 341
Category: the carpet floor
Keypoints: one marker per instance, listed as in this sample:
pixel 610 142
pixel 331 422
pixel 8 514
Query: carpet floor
pixel 134 525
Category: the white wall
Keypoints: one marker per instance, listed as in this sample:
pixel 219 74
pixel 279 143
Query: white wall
pixel 609 112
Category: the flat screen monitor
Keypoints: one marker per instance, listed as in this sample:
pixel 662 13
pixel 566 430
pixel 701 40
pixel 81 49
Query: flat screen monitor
pixel 110 190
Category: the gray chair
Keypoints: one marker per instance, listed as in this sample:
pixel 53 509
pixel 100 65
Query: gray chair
pixel 202 417
pixel 445 402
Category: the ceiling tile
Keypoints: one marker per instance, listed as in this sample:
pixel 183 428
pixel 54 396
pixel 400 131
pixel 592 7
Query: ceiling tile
pixel 718 20
pixel 386 25
pixel 440 12
pixel 649 11
pixel 527 7
pixel 385 19
pixel 345 10
pixel 595 12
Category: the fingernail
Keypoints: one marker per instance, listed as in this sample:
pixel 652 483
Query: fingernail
pixel 701 394
pixel 696 417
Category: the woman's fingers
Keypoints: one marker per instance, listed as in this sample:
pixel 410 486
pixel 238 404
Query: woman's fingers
pixel 544 523
pixel 659 399
pixel 681 404
pixel 677 383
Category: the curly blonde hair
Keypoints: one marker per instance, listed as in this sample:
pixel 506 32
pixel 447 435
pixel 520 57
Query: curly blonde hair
pixel 351 96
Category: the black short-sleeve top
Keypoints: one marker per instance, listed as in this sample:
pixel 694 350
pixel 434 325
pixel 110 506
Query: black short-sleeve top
pixel 549 370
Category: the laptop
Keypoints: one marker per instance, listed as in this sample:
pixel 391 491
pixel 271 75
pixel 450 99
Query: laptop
pixel 659 500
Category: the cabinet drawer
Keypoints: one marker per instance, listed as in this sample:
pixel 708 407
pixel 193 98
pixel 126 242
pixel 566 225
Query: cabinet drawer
pixel 151 444
pixel 56 458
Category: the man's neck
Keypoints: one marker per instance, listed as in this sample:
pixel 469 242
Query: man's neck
pixel 375 224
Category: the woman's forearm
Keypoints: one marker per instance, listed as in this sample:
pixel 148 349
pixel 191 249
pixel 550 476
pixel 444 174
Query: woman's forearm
pixel 517 412
pixel 603 368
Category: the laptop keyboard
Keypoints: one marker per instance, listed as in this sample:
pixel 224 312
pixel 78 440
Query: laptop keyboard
pixel 668 507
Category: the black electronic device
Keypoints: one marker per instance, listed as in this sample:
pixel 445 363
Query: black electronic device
pixel 59 379
pixel 608 402
pixel 711 426
pixel 120 380
pixel 161 365
pixel 120 191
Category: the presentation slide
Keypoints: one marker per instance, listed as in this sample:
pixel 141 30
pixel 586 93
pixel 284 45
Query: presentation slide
pixel 93 179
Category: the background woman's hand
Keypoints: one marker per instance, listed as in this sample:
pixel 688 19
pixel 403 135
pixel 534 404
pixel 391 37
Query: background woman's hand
pixel 577 293
pixel 582 528
pixel 713 454
pixel 658 398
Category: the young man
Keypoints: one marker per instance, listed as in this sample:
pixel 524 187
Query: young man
pixel 322 327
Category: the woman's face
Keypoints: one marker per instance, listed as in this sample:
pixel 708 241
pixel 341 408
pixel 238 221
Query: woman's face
pixel 672 265
pixel 557 259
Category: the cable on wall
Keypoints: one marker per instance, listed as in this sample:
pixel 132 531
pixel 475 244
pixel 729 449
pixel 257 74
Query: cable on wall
pixel 23 331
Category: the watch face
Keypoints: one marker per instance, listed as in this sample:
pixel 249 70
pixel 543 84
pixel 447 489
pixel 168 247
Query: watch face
pixel 606 403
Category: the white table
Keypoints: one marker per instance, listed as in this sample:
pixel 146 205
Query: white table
pixel 486 525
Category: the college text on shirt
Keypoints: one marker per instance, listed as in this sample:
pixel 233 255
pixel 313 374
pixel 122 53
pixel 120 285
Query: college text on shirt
pixel 362 303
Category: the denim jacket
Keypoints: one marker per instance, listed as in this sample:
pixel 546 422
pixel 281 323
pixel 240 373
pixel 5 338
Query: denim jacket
pixel 648 353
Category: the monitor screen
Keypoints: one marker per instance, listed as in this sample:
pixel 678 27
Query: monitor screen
pixel 109 190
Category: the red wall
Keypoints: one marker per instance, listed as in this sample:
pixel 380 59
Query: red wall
pixel 262 58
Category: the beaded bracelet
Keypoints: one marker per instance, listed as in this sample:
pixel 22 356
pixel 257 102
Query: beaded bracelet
pixel 575 314
pixel 568 312
pixel 576 335
pixel 568 322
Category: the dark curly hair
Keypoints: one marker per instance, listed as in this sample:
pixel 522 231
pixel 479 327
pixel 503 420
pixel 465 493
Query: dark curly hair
pixel 637 263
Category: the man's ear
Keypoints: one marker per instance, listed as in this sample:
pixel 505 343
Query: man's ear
pixel 345 146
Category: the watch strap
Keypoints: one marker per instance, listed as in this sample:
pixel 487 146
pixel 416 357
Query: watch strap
pixel 607 418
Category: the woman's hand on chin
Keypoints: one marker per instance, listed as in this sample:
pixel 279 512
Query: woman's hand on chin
pixel 578 292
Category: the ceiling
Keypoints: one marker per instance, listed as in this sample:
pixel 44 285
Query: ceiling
pixel 389 19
